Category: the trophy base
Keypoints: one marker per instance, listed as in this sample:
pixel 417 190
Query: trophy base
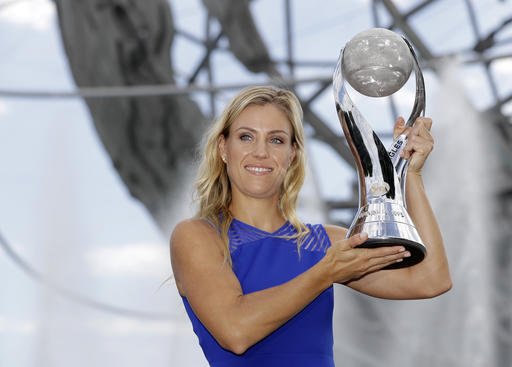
pixel 387 223
pixel 416 249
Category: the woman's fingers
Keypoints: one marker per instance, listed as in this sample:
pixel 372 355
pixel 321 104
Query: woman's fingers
pixel 353 242
pixel 422 128
pixel 347 244
pixel 399 127
pixel 427 122
pixel 391 255
pixel 350 261
pixel 419 144
pixel 357 239
pixel 371 255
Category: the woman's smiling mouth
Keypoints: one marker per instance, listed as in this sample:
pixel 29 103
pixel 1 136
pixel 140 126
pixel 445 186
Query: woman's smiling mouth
pixel 258 170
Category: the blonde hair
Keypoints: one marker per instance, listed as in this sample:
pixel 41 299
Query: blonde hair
pixel 213 189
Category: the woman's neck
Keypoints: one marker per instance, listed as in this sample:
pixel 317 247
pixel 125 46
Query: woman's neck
pixel 259 213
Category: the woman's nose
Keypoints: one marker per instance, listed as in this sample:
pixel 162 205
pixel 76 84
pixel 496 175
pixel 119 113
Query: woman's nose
pixel 260 149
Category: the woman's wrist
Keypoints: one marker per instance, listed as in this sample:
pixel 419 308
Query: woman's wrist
pixel 321 272
pixel 411 172
pixel 414 179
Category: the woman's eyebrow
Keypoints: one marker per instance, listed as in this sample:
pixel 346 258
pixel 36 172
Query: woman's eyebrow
pixel 255 131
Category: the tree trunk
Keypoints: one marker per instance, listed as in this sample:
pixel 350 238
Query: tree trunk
pixel 151 139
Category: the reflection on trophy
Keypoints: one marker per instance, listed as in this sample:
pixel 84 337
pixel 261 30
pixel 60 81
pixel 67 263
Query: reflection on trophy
pixel 377 63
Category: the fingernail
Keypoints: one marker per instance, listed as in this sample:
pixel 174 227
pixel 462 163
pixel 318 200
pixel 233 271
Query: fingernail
pixel 401 249
pixel 399 260
pixel 407 254
pixel 363 235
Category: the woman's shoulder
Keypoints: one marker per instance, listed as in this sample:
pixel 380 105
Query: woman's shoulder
pixel 335 232
pixel 194 245
pixel 193 224
pixel 193 232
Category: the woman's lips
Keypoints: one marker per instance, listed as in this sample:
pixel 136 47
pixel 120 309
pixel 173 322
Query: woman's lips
pixel 258 170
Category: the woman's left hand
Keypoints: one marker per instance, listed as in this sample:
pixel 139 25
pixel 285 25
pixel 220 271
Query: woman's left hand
pixel 419 142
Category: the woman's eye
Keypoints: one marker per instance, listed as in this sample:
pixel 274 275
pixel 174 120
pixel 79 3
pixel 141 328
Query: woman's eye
pixel 245 137
pixel 277 140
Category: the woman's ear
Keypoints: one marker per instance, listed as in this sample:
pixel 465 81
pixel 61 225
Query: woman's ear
pixel 222 148
pixel 294 153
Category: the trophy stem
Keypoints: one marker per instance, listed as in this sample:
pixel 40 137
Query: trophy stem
pixel 418 110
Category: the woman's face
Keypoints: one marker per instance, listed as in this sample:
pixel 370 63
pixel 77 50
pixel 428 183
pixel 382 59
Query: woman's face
pixel 258 151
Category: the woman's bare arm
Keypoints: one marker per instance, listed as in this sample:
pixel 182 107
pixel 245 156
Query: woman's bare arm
pixel 238 320
pixel 427 279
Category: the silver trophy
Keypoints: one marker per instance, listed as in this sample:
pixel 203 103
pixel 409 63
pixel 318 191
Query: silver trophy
pixel 377 63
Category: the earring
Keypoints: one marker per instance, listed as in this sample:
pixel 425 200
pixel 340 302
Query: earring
pixel 224 159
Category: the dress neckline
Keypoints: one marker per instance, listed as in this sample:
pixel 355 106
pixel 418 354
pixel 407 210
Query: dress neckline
pixel 252 228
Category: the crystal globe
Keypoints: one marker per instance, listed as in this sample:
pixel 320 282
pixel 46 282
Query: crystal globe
pixel 377 62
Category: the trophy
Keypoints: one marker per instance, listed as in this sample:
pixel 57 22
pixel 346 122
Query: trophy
pixel 377 63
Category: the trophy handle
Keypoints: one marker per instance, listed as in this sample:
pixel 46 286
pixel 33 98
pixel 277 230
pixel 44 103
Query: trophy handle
pixel 418 110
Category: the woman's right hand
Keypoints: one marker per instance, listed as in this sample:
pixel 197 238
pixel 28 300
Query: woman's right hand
pixel 344 261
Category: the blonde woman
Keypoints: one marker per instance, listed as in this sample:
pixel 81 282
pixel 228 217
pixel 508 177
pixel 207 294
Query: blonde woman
pixel 256 282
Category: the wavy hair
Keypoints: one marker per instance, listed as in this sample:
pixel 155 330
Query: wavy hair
pixel 213 188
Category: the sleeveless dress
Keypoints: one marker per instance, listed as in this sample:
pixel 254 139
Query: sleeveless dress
pixel 262 260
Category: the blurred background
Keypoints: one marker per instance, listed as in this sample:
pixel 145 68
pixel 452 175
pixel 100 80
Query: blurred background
pixel 102 106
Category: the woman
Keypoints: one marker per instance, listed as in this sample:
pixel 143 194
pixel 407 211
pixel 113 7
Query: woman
pixel 255 281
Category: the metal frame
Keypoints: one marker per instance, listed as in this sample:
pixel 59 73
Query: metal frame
pixel 400 20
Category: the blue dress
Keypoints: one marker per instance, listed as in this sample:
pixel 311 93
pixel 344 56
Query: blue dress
pixel 262 260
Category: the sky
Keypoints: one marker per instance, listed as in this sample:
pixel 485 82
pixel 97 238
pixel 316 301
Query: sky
pixel 66 212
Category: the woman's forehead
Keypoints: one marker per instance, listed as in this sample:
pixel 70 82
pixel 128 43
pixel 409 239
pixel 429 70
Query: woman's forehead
pixel 262 117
